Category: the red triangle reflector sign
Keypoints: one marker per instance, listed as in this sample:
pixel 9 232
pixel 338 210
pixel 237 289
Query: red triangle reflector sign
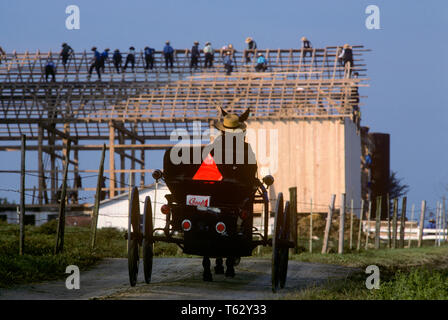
pixel 208 170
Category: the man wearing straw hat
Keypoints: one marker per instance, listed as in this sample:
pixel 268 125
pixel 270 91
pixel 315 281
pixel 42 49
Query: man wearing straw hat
pixel 346 59
pixel 230 148
pixel 251 46
pixel 306 47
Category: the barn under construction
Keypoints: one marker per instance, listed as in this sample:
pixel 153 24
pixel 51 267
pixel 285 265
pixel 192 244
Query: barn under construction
pixel 304 120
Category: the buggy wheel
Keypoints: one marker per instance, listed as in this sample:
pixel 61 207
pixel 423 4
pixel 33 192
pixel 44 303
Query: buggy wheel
pixel 148 250
pixel 284 250
pixel 275 276
pixel 134 235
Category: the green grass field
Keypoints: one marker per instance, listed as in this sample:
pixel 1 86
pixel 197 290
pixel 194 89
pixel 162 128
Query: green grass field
pixel 412 273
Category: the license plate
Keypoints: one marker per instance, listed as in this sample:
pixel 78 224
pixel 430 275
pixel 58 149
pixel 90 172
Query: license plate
pixel 198 201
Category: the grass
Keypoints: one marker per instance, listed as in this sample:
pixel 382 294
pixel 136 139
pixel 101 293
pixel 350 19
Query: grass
pixel 38 262
pixel 413 273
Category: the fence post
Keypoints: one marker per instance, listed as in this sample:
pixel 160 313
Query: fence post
pixel 389 244
pixel 378 222
pixel 311 227
pixel 328 224
pixel 402 222
pixel 293 217
pixel 361 214
pixel 412 220
pixel 22 197
pixel 61 220
pixel 422 222
pixel 96 207
pixel 341 225
pixel 351 224
pixel 369 213
pixel 394 224
pixel 436 233
pixel 445 226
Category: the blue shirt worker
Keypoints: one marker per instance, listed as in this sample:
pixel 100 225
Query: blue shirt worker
pixel 168 53
pixel 228 63
pixel 149 58
pixel 96 63
pixel 50 69
pixel 261 63
pixel 103 58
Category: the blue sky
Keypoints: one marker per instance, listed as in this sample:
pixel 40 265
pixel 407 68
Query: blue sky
pixel 407 66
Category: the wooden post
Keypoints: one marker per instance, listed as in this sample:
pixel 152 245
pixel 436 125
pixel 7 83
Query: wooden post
pixel 96 207
pixel 122 161
pixel 351 224
pixel 436 233
pixel 293 218
pixel 53 174
pixel 445 226
pixel 61 217
pixel 378 222
pixel 22 197
pixel 412 220
pixel 361 214
pixel 341 225
pixel 402 222
pixel 394 224
pixel 422 222
pixel 389 240
pixel 40 167
pixel 369 213
pixel 111 160
pixel 328 224
pixel 311 227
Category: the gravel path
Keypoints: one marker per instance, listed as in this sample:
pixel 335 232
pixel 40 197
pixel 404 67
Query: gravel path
pixel 181 278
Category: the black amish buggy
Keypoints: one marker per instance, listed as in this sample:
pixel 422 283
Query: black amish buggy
pixel 209 213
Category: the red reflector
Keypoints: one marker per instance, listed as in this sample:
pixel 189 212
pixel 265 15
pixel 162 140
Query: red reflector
pixel 208 170
pixel 165 209
pixel 220 227
pixel 186 225
pixel 244 214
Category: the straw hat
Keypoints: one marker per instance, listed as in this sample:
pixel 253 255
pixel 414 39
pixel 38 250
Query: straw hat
pixel 346 46
pixel 304 39
pixel 232 123
pixel 248 39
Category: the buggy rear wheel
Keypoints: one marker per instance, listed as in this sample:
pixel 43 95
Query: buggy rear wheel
pixel 148 242
pixel 275 276
pixel 284 250
pixel 134 236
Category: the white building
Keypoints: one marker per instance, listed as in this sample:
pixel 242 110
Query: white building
pixel 114 212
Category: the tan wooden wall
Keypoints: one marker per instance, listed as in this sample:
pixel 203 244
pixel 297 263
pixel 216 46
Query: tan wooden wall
pixel 319 157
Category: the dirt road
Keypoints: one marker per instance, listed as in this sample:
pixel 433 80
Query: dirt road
pixel 180 278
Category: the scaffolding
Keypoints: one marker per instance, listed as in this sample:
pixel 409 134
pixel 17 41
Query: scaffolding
pixel 135 111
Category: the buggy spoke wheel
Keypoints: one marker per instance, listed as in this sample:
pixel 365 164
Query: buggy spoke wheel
pixel 275 243
pixel 284 251
pixel 133 236
pixel 148 251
